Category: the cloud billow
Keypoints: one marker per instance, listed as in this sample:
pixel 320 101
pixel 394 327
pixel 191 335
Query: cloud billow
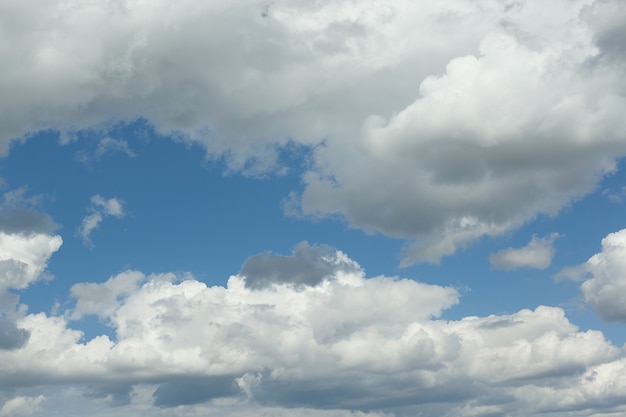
pixel 438 123
pixel 348 344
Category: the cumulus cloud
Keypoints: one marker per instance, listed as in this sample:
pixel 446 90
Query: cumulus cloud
pixel 100 208
pixel 346 345
pixel 605 278
pixel 537 254
pixel 23 258
pixel 434 122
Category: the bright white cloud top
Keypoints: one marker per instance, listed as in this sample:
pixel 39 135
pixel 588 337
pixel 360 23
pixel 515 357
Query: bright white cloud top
pixel 442 137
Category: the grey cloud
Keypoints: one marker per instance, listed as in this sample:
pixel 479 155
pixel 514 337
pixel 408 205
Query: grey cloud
pixel 117 394
pixel 26 220
pixel 308 265
pixel 393 393
pixel 500 323
pixel 194 390
pixel 19 214
pixel 608 19
pixel 12 337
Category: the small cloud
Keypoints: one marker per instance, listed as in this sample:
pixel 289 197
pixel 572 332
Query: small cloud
pixel 110 145
pixel 537 254
pixel 100 208
pixel 106 145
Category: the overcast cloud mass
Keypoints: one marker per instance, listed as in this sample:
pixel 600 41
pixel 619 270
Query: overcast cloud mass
pixel 441 125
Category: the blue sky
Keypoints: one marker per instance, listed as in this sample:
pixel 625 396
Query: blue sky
pixel 328 209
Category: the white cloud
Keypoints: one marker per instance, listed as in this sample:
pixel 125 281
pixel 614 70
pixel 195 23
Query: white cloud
pixel 21 406
pixel 100 207
pixel 23 258
pixel 537 254
pixel 605 278
pixel 433 122
pixel 345 343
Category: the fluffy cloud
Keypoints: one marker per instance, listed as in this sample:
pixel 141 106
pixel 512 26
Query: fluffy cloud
pixel 99 208
pixel 537 254
pixel 605 274
pixel 23 258
pixel 344 343
pixel 435 122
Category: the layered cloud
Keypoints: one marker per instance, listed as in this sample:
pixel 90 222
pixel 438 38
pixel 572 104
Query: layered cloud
pixel 332 342
pixel 434 122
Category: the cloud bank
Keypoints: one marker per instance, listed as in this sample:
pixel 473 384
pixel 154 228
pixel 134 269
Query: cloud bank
pixel 433 122
pixel 341 344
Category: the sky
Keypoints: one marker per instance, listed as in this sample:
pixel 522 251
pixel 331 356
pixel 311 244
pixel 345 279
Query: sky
pixel 349 208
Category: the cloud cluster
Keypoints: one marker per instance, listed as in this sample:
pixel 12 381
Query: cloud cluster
pixel 360 346
pixel 99 208
pixel 435 122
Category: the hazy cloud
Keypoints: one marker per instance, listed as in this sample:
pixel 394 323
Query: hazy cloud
pixel 537 254
pixel 109 145
pixel 190 390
